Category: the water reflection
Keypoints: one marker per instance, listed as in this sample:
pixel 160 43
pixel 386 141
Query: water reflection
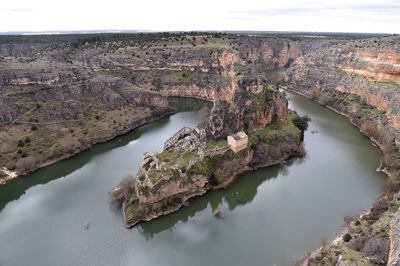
pixel 240 193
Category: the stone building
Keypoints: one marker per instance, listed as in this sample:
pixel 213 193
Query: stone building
pixel 238 141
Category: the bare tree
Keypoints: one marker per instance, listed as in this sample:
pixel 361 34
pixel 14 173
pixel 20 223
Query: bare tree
pixel 203 115
pixel 324 99
pixel 363 100
pixel 124 190
pixel 25 165
pixel 370 129
pixel 315 94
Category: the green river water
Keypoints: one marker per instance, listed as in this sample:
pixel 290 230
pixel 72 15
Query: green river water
pixel 273 215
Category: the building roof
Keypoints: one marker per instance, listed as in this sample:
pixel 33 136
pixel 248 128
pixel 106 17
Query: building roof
pixel 239 135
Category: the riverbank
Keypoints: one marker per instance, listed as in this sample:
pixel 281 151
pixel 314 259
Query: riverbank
pixel 8 175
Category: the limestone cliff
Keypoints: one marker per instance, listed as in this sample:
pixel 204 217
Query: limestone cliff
pixel 368 68
pixel 251 108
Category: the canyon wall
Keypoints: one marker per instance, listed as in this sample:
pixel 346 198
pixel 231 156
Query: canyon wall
pixel 368 68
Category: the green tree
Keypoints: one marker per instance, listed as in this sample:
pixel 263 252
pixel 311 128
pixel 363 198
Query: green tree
pixel 301 122
pixel 347 237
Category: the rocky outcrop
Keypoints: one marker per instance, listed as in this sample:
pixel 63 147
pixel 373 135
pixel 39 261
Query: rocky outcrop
pixel 273 52
pixel 252 107
pixel 194 162
pixel 186 139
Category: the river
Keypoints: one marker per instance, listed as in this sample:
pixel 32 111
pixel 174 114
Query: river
pixel 272 215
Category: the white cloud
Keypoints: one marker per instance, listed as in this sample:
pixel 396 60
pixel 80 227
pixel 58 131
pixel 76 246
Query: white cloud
pixel 287 15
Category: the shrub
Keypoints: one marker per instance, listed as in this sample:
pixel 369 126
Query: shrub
pixel 19 151
pixel 24 154
pixel 27 140
pixel 20 143
pixel 301 122
pixel 347 237
pixel 357 222
pixel 204 167
pixel 144 189
pixel 324 99
pixel 34 127
pixel 315 93
pixel 379 207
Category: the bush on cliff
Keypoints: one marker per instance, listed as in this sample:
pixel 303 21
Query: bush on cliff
pixel 347 237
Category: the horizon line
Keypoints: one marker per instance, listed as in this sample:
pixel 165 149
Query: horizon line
pixel 59 32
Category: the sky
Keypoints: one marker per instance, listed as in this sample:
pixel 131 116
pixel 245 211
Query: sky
pixel 374 16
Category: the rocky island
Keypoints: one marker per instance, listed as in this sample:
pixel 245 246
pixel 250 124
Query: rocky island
pixel 210 157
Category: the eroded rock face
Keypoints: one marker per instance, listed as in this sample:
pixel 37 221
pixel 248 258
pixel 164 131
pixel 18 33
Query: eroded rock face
pixel 252 107
pixel 273 52
pixel 186 139
pixel 367 68
pixel 193 184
